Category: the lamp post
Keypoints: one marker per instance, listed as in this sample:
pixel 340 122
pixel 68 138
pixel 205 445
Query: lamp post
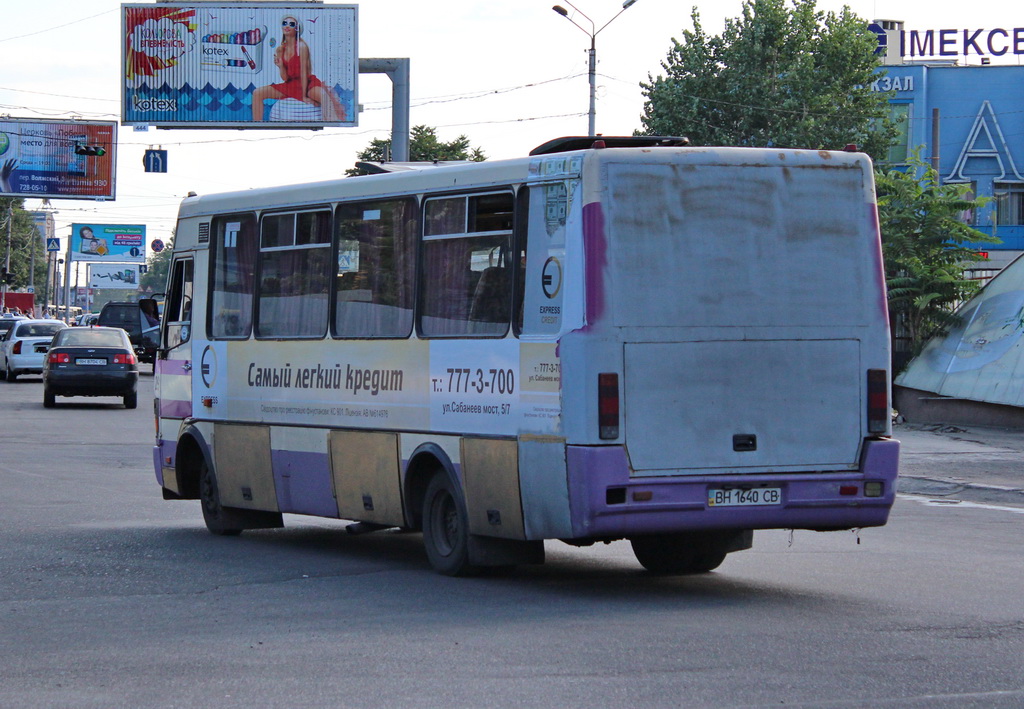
pixel 592 33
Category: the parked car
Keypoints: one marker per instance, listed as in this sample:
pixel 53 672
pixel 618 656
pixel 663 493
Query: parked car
pixel 24 346
pixel 130 317
pixel 93 361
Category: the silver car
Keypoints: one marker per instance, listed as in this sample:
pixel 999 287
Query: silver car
pixel 23 348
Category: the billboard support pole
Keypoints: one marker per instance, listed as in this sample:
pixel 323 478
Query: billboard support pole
pixel 398 71
pixel 7 259
pixel 67 283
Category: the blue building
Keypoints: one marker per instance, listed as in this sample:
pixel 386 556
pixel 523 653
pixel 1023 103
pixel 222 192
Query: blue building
pixel 977 112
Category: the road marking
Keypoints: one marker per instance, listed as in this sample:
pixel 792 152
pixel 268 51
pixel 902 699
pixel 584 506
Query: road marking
pixel 931 502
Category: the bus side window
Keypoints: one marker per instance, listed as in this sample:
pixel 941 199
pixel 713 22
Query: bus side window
pixel 376 267
pixel 178 312
pixel 233 287
pixel 466 280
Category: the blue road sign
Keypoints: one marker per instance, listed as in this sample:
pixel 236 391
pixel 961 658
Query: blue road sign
pixel 52 244
pixel 155 160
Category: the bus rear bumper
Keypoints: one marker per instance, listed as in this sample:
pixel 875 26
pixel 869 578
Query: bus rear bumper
pixel 606 502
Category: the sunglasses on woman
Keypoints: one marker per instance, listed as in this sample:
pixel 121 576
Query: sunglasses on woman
pixel 289 23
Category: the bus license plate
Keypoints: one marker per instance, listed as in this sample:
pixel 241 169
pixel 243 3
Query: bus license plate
pixel 743 498
pixel 83 360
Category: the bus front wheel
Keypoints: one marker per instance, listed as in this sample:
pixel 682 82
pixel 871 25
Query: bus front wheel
pixel 446 528
pixel 218 520
pixel 681 553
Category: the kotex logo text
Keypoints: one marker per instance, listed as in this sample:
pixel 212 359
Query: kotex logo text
pixel 146 105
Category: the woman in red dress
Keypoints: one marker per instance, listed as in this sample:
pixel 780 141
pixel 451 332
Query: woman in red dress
pixel 298 82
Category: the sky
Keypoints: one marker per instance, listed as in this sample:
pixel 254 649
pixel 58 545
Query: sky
pixel 509 75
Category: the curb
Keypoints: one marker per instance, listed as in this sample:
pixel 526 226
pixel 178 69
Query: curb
pixel 944 488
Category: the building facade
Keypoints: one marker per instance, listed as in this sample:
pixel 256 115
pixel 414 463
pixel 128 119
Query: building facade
pixel 969 117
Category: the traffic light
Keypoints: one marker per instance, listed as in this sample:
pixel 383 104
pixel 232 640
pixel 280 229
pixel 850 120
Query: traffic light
pixel 91 150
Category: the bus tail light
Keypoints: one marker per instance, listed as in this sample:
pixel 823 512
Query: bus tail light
pixel 608 405
pixel 878 401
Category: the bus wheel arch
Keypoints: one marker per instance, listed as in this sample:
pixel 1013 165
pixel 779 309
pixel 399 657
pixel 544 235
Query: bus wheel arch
pixel 425 462
pixel 435 504
pixel 192 453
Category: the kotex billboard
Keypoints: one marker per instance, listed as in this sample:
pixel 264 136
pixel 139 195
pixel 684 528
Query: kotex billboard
pixel 57 159
pixel 266 65
pixel 113 275
pixel 112 243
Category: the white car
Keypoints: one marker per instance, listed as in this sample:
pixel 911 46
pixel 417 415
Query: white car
pixel 23 347
pixel 7 322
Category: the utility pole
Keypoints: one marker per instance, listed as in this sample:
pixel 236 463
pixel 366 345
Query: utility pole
pixel 592 64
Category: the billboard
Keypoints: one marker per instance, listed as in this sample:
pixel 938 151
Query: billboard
pixel 114 275
pixel 57 159
pixel 112 243
pixel 265 65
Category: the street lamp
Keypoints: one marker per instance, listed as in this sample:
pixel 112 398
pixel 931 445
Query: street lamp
pixel 592 33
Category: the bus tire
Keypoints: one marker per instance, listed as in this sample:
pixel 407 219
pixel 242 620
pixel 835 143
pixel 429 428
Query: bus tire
pixel 681 553
pixel 220 521
pixel 446 528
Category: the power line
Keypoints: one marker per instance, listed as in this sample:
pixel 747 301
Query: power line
pixel 57 27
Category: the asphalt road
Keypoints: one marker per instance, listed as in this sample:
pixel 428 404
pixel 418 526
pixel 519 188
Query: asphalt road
pixel 112 597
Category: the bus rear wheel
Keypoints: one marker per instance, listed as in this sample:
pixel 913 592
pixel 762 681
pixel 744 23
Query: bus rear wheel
pixel 446 528
pixel 218 520
pixel 681 553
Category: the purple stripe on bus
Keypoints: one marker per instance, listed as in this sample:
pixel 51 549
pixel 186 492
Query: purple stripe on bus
pixel 174 409
pixel 596 249
pixel 882 300
pixel 809 499
pixel 303 483
pixel 172 366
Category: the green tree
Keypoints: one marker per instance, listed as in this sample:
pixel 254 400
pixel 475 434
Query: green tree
pixel 925 248
pixel 23 237
pixel 780 76
pixel 424 146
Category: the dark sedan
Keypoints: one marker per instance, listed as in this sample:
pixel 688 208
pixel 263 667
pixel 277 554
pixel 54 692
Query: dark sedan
pixel 91 361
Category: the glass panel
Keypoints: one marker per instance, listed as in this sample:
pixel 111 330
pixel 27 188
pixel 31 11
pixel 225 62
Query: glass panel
pixel 278 230
pixel 1009 204
pixel 313 228
pixel 82 337
pixel 234 265
pixel 375 269
pixel 445 216
pixel 467 286
pixel 178 310
pixel 900 112
pixel 490 212
pixel 294 287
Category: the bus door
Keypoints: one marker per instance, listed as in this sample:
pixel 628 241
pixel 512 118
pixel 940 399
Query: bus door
pixel 175 364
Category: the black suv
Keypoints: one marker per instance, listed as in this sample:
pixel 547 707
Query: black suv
pixel 129 317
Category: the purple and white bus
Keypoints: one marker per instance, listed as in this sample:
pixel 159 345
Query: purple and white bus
pixel 608 339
